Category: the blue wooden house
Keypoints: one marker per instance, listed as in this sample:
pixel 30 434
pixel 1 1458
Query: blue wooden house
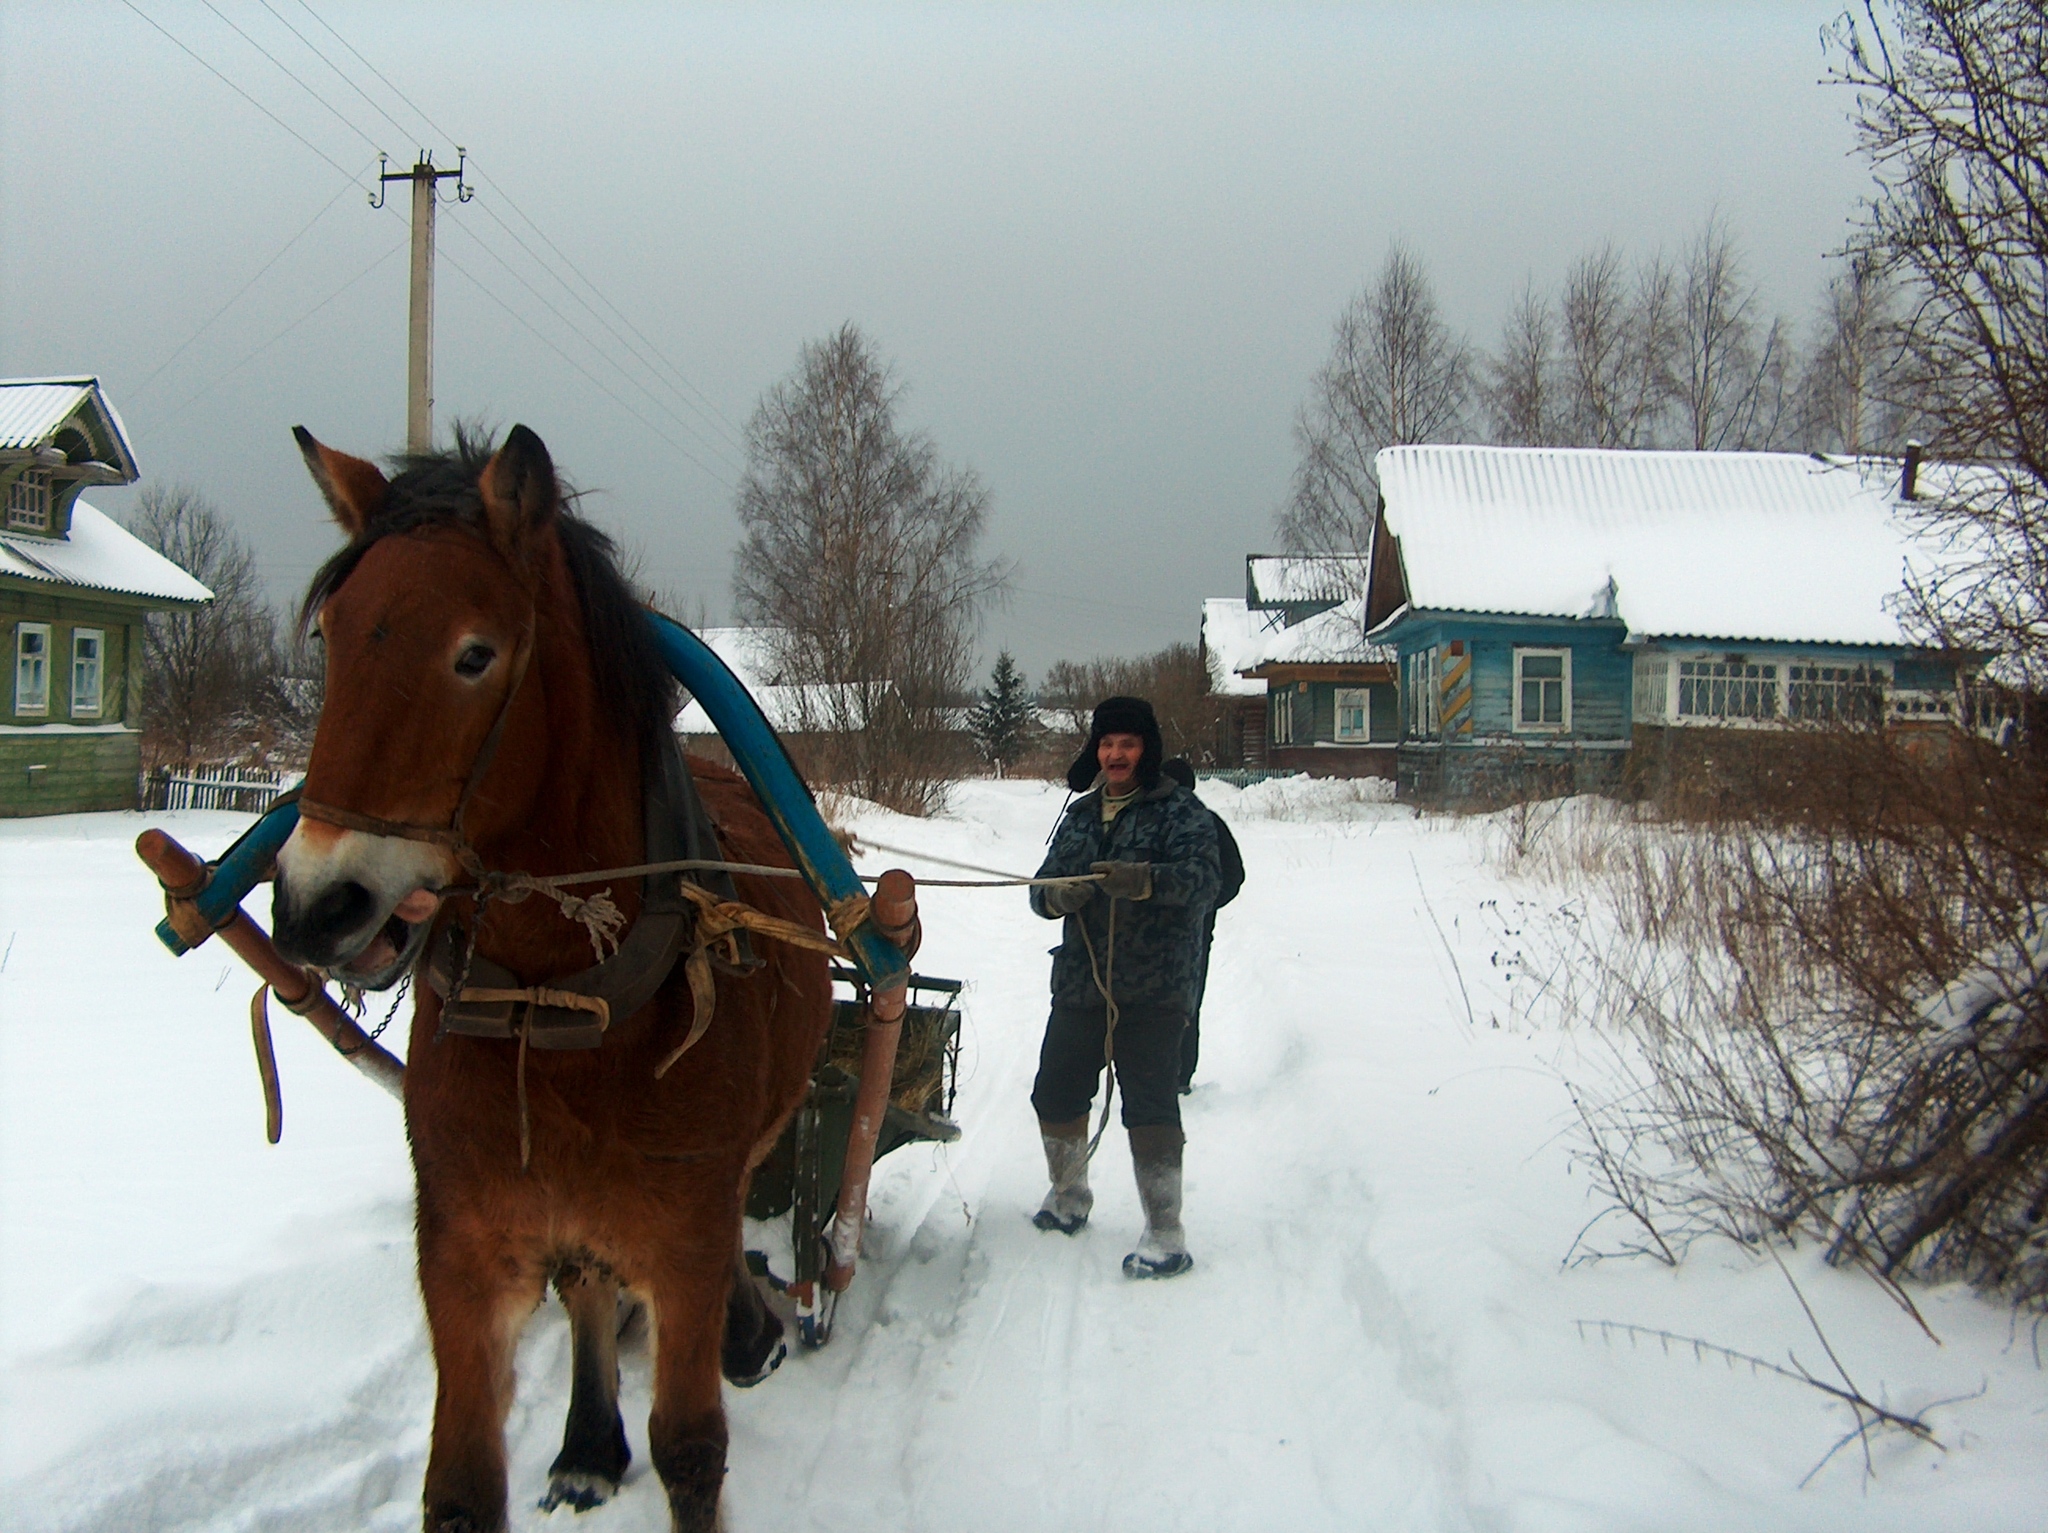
pixel 1553 610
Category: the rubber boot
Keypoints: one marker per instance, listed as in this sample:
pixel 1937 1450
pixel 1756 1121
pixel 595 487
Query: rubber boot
pixel 1155 1156
pixel 1068 1200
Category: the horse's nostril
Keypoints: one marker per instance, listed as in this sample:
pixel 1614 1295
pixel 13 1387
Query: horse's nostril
pixel 315 932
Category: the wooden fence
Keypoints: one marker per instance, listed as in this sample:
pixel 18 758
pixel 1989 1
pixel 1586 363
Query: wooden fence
pixel 247 790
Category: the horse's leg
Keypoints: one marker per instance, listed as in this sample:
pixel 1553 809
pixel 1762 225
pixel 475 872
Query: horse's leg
pixel 753 1332
pixel 594 1456
pixel 686 1431
pixel 477 1300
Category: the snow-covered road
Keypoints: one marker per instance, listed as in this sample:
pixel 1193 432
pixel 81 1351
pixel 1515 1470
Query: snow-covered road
pixel 203 1331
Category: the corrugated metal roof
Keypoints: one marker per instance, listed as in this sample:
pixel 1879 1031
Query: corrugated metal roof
pixel 1708 545
pixel 1238 638
pixel 1305 577
pixel 99 555
pixel 33 408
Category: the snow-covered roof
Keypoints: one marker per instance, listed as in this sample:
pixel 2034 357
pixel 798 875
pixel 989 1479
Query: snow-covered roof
pixel 1274 579
pixel 1237 638
pixel 32 410
pixel 100 555
pixel 1720 545
pixel 751 654
pixel 789 709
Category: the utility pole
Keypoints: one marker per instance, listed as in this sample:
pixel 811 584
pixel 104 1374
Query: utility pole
pixel 419 347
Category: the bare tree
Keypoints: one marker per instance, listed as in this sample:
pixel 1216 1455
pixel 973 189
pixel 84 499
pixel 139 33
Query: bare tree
pixel 1951 109
pixel 1396 373
pixel 1617 346
pixel 1172 679
pixel 1731 366
pixel 1521 387
pixel 208 671
pixel 862 547
pixel 1845 389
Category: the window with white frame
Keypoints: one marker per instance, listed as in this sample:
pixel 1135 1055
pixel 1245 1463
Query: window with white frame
pixel 1354 715
pixel 1281 731
pixel 88 665
pixel 1727 689
pixel 1543 689
pixel 28 502
pixel 31 668
pixel 1835 694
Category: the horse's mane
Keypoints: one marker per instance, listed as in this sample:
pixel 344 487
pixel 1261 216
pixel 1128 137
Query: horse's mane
pixel 440 490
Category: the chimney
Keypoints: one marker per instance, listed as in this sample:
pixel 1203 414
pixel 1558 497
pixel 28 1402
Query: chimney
pixel 1911 471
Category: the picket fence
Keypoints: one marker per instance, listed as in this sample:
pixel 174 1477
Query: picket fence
pixel 246 790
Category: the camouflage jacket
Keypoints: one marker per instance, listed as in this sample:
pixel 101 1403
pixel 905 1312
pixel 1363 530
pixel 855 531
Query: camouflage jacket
pixel 1158 940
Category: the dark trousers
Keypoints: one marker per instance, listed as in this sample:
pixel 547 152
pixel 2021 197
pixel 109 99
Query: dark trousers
pixel 1147 1063
pixel 1191 1035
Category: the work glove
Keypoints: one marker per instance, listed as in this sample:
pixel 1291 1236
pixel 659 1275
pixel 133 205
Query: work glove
pixel 1124 880
pixel 1065 899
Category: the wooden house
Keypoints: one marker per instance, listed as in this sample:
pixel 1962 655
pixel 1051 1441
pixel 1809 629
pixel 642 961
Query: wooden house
pixel 1556 610
pixel 75 591
pixel 1301 688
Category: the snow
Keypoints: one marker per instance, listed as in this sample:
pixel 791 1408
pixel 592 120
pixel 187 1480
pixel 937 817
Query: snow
pixel 1722 545
pixel 204 1332
pixel 1281 578
pixel 101 555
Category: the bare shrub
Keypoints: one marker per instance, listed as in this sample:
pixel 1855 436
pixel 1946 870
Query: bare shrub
pixel 1173 680
pixel 1832 1020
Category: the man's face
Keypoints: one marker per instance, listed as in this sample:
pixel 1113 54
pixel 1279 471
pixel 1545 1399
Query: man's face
pixel 1118 756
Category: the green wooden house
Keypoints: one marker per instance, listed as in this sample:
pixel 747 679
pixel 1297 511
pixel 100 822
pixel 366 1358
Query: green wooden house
pixel 75 591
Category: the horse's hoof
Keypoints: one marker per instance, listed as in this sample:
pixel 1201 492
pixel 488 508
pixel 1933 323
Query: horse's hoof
pixel 578 1490
pixel 773 1362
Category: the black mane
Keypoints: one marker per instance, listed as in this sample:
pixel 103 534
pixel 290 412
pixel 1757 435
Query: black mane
pixel 440 490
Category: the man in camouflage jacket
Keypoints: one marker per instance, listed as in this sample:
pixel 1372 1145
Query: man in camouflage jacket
pixel 1131 950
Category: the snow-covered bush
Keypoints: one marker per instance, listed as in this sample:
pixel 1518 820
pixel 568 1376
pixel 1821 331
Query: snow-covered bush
pixel 1833 1022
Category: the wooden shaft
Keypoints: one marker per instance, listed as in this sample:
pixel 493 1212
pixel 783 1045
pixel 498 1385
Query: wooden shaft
pixel 299 991
pixel 894 909
pixel 870 1104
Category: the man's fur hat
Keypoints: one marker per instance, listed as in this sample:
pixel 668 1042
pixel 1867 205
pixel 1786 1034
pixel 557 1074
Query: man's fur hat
pixel 1119 716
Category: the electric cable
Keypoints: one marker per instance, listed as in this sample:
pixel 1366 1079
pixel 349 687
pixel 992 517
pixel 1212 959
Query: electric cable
pixel 345 121
pixel 283 250
pixel 230 84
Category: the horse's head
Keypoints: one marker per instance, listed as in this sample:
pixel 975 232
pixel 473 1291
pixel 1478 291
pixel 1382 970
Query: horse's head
pixel 428 618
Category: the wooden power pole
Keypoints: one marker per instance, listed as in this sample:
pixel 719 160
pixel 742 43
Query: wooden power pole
pixel 419 347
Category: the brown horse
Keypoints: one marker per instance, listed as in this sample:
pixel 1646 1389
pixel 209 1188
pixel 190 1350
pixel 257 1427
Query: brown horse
pixel 494 703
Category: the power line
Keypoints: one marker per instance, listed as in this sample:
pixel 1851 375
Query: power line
pixel 604 388
pixel 716 448
pixel 302 85
pixel 172 415
pixel 718 422
pixel 346 187
pixel 230 84
pixel 722 421
pixel 339 73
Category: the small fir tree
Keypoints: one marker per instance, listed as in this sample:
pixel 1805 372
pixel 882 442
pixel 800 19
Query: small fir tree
pixel 1001 721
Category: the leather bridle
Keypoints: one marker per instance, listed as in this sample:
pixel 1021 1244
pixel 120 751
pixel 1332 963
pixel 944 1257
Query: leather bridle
pixel 452 835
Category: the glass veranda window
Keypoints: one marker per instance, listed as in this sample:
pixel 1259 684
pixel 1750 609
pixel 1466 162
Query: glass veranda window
pixel 1835 694
pixel 1727 689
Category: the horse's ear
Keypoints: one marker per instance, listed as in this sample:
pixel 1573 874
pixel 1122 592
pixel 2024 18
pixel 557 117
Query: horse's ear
pixel 354 488
pixel 519 492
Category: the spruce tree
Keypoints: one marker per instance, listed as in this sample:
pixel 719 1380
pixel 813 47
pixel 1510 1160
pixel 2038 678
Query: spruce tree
pixel 1001 721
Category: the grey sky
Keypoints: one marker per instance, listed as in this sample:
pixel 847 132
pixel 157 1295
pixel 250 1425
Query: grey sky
pixel 1103 245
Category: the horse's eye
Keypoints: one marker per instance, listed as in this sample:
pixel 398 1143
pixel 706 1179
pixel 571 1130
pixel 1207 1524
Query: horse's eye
pixel 474 660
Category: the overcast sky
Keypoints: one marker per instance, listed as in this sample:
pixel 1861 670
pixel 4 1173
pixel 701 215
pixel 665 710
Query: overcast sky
pixel 1102 245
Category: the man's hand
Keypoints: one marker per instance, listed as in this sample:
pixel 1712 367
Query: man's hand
pixel 1124 880
pixel 1065 899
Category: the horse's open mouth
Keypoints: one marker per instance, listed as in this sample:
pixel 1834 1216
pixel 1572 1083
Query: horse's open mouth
pixel 386 958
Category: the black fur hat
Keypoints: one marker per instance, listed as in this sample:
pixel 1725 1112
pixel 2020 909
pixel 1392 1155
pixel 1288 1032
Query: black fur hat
pixel 1119 716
